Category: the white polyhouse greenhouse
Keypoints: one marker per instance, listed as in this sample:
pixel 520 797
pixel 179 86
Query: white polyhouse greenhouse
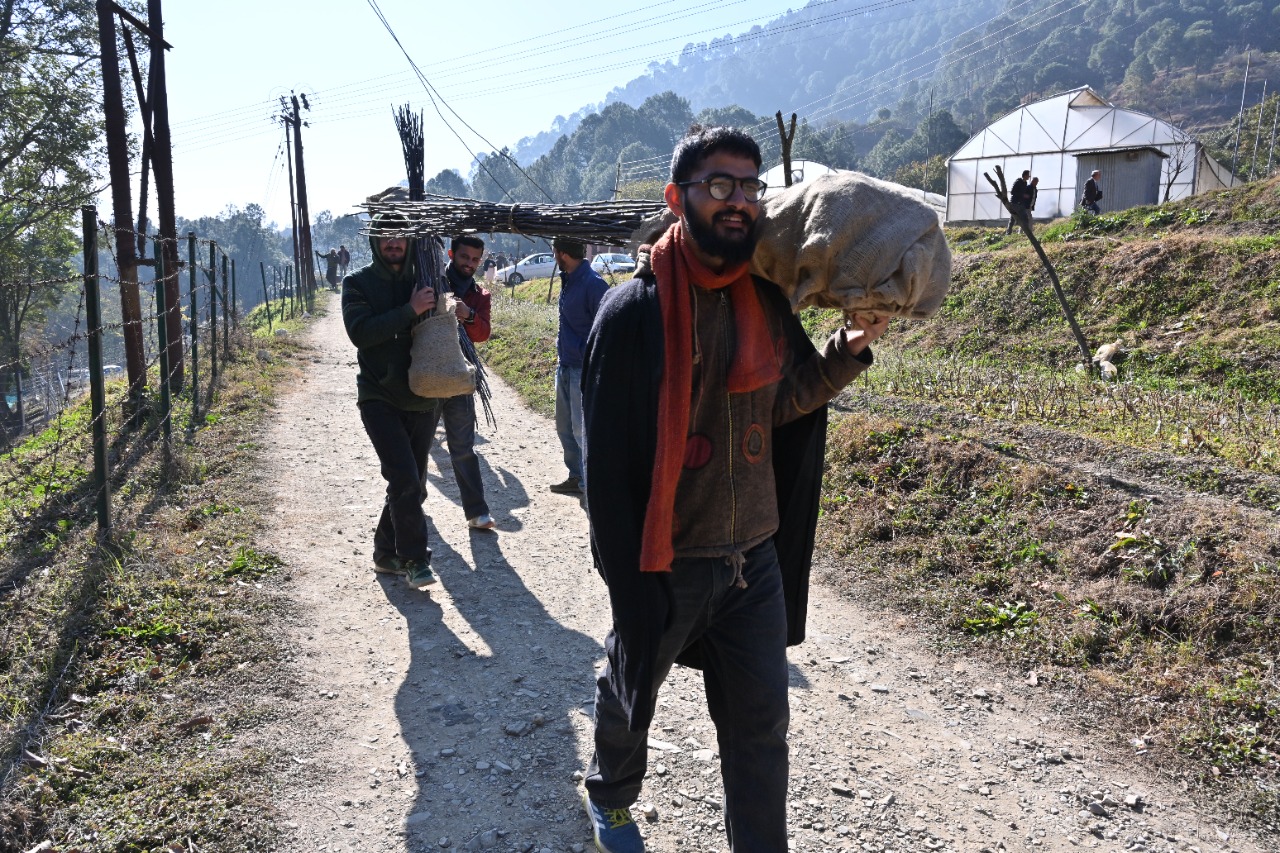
pixel 1062 139
pixel 807 170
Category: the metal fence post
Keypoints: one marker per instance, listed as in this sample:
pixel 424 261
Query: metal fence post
pixel 195 329
pixel 266 294
pixel 235 303
pixel 226 313
pixel 213 316
pixel 162 341
pixel 97 391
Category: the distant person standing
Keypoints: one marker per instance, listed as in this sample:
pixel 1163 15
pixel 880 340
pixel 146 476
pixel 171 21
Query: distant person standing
pixel 1034 190
pixel 1092 192
pixel 331 267
pixel 581 289
pixel 1019 201
pixel 490 270
pixel 344 261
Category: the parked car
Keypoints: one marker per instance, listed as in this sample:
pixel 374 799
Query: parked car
pixel 613 262
pixel 534 266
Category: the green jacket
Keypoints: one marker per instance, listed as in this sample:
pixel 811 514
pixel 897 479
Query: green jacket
pixel 378 317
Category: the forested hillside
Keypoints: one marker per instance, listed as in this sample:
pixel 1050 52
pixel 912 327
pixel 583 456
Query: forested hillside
pixel 892 88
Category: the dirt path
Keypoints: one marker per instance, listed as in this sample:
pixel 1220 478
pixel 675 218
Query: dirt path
pixel 458 718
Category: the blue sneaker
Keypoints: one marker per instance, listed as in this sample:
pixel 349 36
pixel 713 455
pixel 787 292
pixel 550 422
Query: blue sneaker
pixel 613 829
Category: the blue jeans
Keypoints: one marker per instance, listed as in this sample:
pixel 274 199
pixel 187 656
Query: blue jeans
pixel 402 441
pixel 459 415
pixel 744 638
pixel 569 418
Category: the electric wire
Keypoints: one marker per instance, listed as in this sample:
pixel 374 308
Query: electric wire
pixel 433 96
pixel 396 85
pixel 643 166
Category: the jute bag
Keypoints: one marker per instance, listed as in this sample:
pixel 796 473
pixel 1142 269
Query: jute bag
pixel 847 241
pixel 437 367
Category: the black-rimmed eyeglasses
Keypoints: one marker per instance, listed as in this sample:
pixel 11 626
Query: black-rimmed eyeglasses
pixel 721 187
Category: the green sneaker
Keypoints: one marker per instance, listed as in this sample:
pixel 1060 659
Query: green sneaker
pixel 389 565
pixel 419 574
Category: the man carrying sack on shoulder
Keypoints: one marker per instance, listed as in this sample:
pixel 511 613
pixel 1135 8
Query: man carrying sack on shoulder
pixel 705 425
pixel 379 307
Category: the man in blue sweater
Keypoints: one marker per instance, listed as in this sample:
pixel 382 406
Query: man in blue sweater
pixel 581 289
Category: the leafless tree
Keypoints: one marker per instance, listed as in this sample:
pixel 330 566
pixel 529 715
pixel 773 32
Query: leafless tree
pixel 1182 157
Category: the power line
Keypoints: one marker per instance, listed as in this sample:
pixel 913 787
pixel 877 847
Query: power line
pixel 392 82
pixel 645 165
pixel 239 113
pixel 433 96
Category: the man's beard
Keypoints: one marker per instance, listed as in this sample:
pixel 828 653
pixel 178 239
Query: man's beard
pixel 732 250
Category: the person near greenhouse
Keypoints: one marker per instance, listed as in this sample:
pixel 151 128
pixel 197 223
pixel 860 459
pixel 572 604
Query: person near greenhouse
pixel 581 289
pixel 1019 201
pixel 380 303
pixel 705 424
pixel 459 413
pixel 1092 192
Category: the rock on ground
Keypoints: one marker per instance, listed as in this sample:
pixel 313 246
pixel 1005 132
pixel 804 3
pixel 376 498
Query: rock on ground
pixel 459 718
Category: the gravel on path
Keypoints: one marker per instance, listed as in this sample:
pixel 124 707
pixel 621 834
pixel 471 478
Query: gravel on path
pixel 459 717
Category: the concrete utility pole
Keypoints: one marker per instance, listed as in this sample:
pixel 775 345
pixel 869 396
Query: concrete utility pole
pixel 1244 88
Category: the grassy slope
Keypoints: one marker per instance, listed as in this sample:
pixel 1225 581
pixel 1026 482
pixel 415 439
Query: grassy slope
pixel 1192 288
pixel 138 674
pixel 1121 540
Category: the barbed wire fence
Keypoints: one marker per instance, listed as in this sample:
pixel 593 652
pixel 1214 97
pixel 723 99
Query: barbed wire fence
pixel 73 431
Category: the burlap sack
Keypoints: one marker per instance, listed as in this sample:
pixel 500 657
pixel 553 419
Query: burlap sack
pixel 437 367
pixel 851 242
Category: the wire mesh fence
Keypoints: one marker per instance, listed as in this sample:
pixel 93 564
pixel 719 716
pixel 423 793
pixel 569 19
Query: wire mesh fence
pixel 75 419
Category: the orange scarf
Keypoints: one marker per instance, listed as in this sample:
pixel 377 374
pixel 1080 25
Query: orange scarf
pixel 755 364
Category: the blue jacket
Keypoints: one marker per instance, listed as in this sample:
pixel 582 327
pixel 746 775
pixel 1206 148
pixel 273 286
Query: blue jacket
pixel 580 295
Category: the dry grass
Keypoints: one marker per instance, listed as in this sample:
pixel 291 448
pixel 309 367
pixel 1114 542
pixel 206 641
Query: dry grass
pixel 1170 603
pixel 137 670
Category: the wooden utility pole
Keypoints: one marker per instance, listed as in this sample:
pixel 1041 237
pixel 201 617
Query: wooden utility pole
pixel 121 203
pixel 306 270
pixel 157 155
pixel 162 163
pixel 786 138
pixel 148 142
pixel 293 202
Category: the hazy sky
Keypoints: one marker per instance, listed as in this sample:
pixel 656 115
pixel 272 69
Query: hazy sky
pixel 507 69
